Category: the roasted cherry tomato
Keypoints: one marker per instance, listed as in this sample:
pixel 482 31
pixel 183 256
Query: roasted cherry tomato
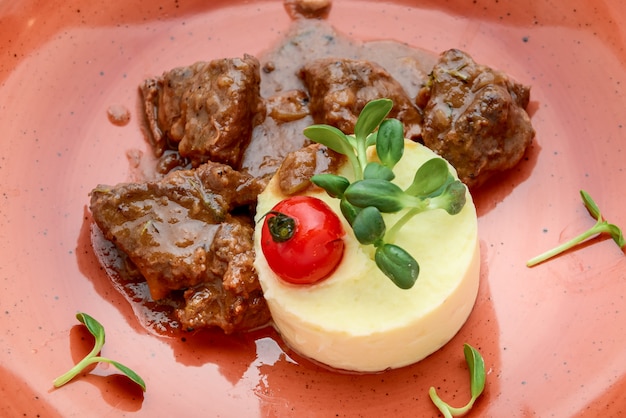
pixel 302 239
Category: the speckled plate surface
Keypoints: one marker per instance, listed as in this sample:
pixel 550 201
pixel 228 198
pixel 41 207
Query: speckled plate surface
pixel 553 337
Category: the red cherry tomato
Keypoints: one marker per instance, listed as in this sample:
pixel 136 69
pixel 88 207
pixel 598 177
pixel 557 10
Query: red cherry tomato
pixel 302 239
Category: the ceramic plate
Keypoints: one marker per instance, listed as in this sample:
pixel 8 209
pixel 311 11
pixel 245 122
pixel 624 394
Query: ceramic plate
pixel 552 337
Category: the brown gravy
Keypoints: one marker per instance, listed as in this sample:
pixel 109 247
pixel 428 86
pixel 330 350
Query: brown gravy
pixel 308 40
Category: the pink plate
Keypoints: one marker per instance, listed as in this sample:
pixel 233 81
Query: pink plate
pixel 553 337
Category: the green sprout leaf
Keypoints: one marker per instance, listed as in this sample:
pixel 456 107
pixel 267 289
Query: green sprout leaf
pixel 384 195
pixel 476 367
pixel 369 226
pixel 348 210
pixel 611 229
pixel 372 194
pixel 452 199
pixel 128 372
pixel 374 170
pixel 373 113
pixel 329 136
pixel 616 234
pixel 390 142
pixel 97 330
pixel 429 177
pixel 601 227
pixel 334 185
pixel 337 141
pixel 591 206
pixel 397 264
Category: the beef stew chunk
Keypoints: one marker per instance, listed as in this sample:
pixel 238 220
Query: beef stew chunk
pixel 233 300
pixel 206 111
pixel 475 117
pixel 182 232
pixel 339 89
pixel 288 106
pixel 294 174
pixel 307 9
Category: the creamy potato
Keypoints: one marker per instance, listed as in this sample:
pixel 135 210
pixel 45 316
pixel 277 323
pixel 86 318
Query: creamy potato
pixel 357 319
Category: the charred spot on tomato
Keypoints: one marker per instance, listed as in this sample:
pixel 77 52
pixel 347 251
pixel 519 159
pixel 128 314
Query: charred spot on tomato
pixel 310 240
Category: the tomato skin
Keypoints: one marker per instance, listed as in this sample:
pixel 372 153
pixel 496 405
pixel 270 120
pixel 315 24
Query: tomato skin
pixel 316 246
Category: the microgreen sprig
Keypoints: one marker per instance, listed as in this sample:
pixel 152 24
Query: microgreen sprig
pixel 373 192
pixel 97 330
pixel 601 227
pixel 476 367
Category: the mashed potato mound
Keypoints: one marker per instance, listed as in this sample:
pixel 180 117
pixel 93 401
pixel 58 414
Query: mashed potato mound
pixel 357 319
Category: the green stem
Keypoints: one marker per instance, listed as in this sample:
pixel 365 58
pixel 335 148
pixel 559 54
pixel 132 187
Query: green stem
pixel 91 358
pixel 439 403
pixel 390 236
pixel 361 150
pixel 462 411
pixel 598 228
pixel 81 365
pixel 447 410
pixel 356 166
pixel 476 366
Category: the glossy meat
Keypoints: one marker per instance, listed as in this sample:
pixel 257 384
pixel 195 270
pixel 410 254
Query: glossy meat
pixel 339 89
pixel 206 111
pixel 294 174
pixel 475 117
pixel 181 233
pixel 234 300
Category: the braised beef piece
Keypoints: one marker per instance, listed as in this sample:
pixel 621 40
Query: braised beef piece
pixel 206 111
pixel 181 232
pixel 288 106
pixel 475 117
pixel 307 9
pixel 294 174
pixel 339 89
pixel 171 160
pixel 235 302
